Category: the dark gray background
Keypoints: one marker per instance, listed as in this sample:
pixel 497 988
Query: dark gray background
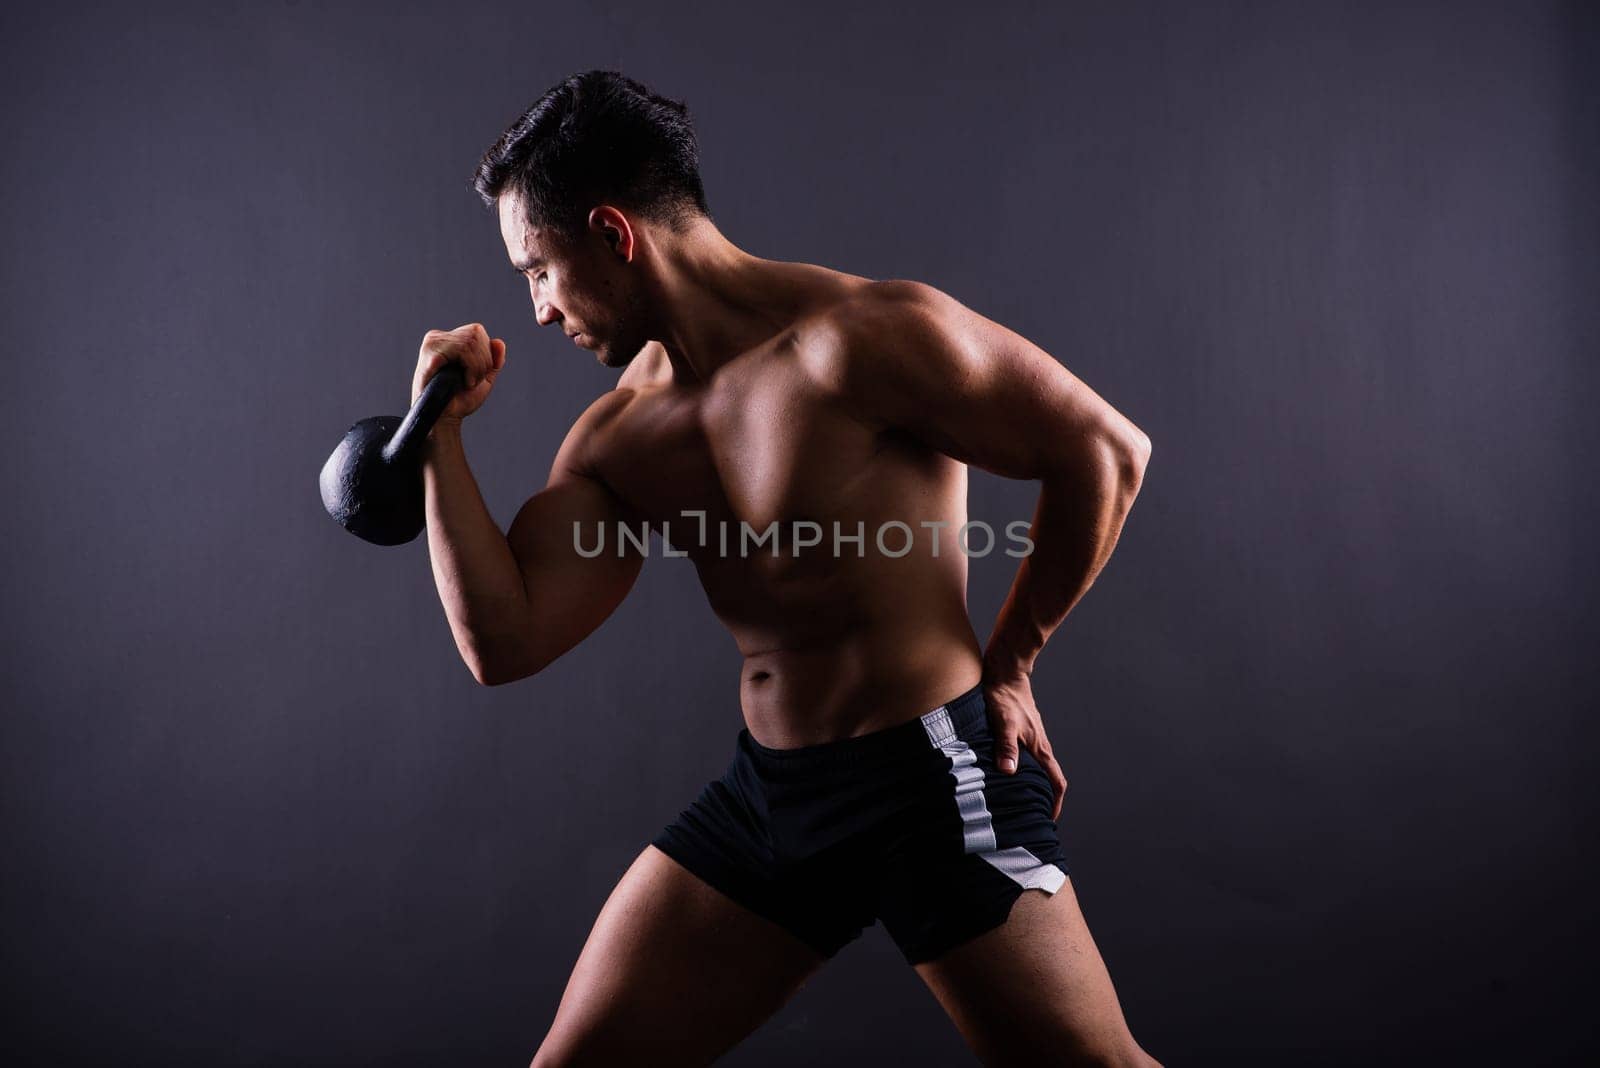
pixel 1327 714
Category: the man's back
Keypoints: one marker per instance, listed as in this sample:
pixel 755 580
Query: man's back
pixel 752 472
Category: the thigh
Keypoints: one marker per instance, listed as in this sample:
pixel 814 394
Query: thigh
pixel 673 973
pixel 1034 990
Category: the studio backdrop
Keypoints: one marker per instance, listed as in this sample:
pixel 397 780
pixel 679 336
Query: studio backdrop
pixel 1327 714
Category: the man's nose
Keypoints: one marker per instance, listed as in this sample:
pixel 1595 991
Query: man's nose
pixel 544 314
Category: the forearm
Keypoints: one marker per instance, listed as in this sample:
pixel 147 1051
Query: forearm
pixel 474 569
pixel 1076 524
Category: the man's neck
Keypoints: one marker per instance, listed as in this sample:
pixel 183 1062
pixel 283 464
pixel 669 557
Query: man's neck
pixel 716 301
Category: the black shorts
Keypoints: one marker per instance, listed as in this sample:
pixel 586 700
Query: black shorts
pixel 913 825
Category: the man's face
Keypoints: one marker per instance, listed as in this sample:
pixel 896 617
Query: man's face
pixel 581 283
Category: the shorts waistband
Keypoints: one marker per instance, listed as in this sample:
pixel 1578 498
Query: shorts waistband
pixel 911 737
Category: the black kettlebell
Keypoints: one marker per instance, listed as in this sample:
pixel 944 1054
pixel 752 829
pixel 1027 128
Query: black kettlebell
pixel 372 484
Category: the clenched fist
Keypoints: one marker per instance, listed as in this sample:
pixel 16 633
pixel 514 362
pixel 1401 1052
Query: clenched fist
pixel 480 356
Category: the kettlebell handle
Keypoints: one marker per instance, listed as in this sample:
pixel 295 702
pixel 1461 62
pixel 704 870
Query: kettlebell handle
pixel 446 382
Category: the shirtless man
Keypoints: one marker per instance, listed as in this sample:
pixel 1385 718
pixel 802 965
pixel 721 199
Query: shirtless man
pixel 877 775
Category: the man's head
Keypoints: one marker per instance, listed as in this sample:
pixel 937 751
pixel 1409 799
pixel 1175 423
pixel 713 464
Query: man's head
pixel 595 160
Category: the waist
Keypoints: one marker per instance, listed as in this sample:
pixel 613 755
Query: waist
pixel 920 737
pixel 853 686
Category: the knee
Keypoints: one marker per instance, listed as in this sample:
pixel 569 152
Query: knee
pixel 1135 1057
pixel 552 1054
pixel 583 1047
pixel 1122 1052
pixel 1102 1051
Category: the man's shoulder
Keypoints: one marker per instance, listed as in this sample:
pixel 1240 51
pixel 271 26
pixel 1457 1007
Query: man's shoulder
pixel 866 293
pixel 584 446
pixel 600 431
pixel 868 324
pixel 645 374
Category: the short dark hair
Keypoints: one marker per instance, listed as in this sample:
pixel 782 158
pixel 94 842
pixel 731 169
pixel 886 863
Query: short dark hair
pixel 597 136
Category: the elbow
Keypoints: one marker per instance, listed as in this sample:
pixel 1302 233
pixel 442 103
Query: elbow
pixel 1118 454
pixel 486 676
pixel 1133 455
pixel 490 671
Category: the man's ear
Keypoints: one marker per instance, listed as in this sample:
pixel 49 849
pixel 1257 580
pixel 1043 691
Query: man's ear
pixel 615 228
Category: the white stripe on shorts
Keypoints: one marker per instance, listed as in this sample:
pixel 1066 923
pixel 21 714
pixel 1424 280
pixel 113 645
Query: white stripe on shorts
pixel 977 827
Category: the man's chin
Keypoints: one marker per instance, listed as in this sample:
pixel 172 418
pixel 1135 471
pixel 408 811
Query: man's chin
pixel 606 356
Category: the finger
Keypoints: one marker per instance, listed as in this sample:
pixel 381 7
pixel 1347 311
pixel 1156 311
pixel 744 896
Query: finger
pixel 495 361
pixel 468 345
pixel 1006 750
pixel 1059 781
pixel 471 351
pixel 442 360
pixel 424 375
pixel 435 353
pixel 1053 768
pixel 437 362
pixel 480 350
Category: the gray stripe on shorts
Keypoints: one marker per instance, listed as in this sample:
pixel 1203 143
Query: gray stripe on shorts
pixel 977 826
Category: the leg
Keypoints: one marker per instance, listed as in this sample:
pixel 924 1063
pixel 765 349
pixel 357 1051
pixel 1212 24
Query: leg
pixel 1034 990
pixel 673 973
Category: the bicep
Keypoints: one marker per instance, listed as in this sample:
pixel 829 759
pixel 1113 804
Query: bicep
pixel 920 361
pixel 571 588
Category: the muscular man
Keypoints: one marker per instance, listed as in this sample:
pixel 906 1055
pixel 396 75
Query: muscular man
pixel 890 767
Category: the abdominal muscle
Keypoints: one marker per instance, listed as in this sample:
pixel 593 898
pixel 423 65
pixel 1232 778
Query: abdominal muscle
pixel 867 680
